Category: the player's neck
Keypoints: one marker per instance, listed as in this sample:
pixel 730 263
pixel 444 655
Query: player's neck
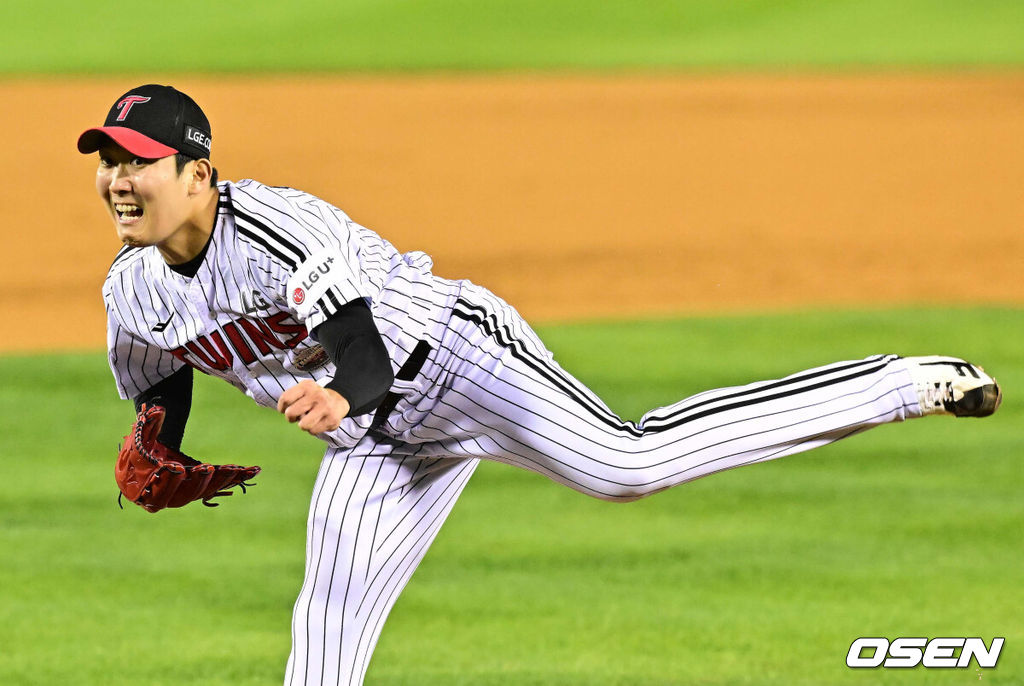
pixel 189 240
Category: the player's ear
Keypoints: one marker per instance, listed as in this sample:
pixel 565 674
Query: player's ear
pixel 201 173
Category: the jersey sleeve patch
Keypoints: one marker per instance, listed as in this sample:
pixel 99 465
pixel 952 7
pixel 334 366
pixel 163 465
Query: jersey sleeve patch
pixel 326 274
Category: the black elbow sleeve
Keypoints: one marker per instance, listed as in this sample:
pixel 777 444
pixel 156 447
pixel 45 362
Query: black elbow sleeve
pixel 363 375
pixel 363 367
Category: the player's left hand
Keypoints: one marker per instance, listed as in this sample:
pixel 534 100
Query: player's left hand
pixel 315 408
pixel 156 476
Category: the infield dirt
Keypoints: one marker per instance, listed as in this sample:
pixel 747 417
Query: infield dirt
pixel 573 196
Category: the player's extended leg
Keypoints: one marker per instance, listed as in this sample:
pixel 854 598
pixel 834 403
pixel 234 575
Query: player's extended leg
pixel 508 401
pixel 374 513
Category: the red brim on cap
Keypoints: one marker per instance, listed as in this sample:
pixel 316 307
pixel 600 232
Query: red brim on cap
pixel 134 142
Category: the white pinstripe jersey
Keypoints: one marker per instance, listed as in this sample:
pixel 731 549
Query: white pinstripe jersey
pixel 279 263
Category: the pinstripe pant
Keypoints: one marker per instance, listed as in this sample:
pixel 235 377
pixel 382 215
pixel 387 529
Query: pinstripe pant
pixel 494 392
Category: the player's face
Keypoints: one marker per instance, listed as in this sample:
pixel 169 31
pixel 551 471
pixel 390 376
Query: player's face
pixel 147 199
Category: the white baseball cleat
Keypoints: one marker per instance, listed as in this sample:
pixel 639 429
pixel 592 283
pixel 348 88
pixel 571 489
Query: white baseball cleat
pixel 949 385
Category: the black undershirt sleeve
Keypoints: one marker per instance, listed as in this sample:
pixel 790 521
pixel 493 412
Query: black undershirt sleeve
pixel 175 394
pixel 351 340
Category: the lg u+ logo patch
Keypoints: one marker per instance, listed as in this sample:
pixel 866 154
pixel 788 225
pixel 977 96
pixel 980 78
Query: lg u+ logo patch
pixel 937 653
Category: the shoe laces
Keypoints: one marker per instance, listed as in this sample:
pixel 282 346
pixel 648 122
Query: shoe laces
pixel 938 393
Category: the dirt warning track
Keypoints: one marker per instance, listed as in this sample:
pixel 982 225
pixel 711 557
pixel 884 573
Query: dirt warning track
pixel 574 196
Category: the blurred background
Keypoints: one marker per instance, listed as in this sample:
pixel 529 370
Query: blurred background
pixel 582 159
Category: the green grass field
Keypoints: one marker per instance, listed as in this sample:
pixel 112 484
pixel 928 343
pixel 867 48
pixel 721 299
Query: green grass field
pixel 757 576
pixel 762 575
pixel 67 36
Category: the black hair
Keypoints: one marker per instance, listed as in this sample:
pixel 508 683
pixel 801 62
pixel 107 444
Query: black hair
pixel 181 159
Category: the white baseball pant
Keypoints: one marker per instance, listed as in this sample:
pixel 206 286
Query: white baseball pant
pixel 494 392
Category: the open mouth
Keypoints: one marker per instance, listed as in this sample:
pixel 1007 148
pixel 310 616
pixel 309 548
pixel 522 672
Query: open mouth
pixel 127 212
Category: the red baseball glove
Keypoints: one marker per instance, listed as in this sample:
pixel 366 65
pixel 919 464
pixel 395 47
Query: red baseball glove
pixel 154 476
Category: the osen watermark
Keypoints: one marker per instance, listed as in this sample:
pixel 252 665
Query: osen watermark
pixel 936 653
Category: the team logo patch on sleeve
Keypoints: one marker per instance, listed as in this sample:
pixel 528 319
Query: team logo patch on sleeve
pixel 298 296
pixel 311 358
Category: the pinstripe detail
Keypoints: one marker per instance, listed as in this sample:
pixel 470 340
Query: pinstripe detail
pixel 570 455
pixel 363 571
pixel 276 251
pixel 488 322
pixel 504 336
pixel 121 256
pixel 263 226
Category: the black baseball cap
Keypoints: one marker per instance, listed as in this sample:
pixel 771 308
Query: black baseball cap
pixel 152 121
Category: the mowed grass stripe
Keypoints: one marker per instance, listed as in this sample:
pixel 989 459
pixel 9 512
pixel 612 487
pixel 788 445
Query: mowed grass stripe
pixel 61 36
pixel 762 575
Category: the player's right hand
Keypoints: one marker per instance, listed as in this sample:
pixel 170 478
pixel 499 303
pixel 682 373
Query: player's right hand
pixel 315 408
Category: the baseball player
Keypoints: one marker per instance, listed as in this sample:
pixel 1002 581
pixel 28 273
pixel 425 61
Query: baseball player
pixel 410 379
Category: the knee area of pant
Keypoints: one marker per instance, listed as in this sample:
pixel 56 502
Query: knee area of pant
pixel 624 493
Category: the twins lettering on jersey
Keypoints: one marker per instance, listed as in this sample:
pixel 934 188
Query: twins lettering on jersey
pixel 267 244
pixel 249 339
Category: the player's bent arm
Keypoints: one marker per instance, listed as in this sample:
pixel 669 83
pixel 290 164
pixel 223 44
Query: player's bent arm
pixel 363 376
pixel 351 339
pixel 175 395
